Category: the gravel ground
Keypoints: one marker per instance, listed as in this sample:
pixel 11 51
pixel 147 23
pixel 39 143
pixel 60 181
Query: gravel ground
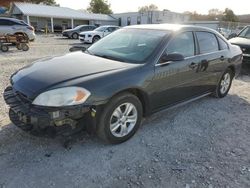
pixel 205 143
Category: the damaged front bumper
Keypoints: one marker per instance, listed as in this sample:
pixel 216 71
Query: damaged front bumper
pixel 49 121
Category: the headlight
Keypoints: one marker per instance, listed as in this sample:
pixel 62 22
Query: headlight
pixel 89 35
pixel 67 96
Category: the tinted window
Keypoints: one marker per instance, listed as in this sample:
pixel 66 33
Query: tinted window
pixel 129 45
pixel 6 22
pixel 111 29
pixel 207 42
pixel 84 28
pixel 182 44
pixel 223 44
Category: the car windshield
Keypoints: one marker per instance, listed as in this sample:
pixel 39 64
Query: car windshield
pixel 78 27
pixel 101 29
pixel 129 45
pixel 245 33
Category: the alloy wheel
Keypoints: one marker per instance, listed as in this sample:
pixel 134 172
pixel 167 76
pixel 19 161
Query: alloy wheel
pixel 225 83
pixel 123 120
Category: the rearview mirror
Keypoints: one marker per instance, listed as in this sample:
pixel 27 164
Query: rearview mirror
pixel 171 57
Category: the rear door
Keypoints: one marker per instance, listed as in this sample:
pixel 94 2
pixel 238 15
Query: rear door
pixel 177 81
pixel 5 27
pixel 212 59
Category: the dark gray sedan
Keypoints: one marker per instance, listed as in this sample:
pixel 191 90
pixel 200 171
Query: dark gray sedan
pixel 127 75
pixel 74 33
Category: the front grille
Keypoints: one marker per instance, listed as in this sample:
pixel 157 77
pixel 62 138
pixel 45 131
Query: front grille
pixel 83 36
pixel 245 50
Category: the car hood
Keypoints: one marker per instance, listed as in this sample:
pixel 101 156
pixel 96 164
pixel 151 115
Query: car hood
pixel 240 41
pixel 46 73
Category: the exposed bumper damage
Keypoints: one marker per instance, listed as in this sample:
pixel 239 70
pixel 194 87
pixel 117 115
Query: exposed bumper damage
pixel 46 121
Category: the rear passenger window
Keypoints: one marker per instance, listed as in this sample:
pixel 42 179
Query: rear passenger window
pixel 207 42
pixel 223 44
pixel 4 22
pixel 182 44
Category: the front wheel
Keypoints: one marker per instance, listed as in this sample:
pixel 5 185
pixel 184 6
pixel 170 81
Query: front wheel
pixel 224 85
pixel 120 119
pixel 96 38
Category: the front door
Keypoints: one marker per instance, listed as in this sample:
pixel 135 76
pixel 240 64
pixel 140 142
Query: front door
pixel 177 81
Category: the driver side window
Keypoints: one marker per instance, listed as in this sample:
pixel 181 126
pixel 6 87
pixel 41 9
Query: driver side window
pixel 182 44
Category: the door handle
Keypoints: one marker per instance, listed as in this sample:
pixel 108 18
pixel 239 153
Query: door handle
pixel 222 58
pixel 193 65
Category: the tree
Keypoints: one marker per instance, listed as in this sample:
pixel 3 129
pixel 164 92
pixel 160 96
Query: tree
pixel 215 12
pixel 46 2
pixel 229 16
pixel 99 6
pixel 149 8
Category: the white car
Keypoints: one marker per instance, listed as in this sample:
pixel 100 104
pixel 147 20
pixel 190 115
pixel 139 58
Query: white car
pixel 97 34
pixel 13 26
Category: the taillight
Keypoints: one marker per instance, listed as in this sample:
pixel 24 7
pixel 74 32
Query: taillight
pixel 30 28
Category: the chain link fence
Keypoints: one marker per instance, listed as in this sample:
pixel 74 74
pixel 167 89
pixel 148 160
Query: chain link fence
pixel 231 29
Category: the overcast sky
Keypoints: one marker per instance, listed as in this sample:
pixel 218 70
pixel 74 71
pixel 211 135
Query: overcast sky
pixel 201 6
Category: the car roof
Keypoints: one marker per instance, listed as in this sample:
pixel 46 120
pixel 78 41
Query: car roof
pixel 171 27
pixel 108 26
pixel 7 18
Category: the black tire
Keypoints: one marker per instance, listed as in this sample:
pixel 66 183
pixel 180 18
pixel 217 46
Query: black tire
pixel 25 47
pixel 218 93
pixel 103 127
pixel 4 48
pixel 19 46
pixel 95 39
pixel 75 36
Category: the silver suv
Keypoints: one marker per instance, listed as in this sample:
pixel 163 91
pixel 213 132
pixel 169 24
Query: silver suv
pixel 14 26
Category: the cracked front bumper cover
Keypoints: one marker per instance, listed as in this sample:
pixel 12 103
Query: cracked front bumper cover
pixel 49 121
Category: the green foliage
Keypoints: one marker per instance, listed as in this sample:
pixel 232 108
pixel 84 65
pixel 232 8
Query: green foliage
pixel 46 2
pixel 148 8
pixel 229 16
pixel 100 7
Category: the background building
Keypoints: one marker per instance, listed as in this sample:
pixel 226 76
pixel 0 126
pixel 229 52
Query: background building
pixel 52 17
pixel 150 17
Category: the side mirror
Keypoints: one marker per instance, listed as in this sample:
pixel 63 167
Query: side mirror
pixel 171 57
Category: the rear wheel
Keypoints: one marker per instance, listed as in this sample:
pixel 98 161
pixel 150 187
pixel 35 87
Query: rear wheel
pixel 75 36
pixel 224 85
pixel 120 119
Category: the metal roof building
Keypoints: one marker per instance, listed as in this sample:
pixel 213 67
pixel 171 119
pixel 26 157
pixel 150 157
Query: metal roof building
pixel 41 16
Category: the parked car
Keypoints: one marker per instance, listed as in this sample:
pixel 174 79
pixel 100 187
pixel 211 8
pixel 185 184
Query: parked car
pixel 97 34
pixel 13 26
pixel 122 78
pixel 74 33
pixel 243 41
